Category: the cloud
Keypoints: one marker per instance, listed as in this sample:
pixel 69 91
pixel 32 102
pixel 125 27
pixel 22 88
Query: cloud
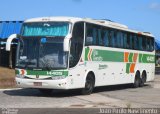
pixel 155 6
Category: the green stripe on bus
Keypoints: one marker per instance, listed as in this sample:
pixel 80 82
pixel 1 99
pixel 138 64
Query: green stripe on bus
pixel 17 71
pixel 131 57
pixel 115 56
pixel 105 55
pixel 86 54
pixel 128 68
pixel 45 73
pixel 146 58
pixel 140 58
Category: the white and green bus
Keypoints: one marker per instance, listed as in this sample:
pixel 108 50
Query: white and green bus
pixel 81 53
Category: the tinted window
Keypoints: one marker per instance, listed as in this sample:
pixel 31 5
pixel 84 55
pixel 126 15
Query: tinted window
pixel 125 40
pixel 144 43
pixel 147 44
pixel 76 44
pixel 92 32
pixel 151 44
pixel 140 46
pixel 113 38
pixel 109 37
pixel 119 39
pixel 105 37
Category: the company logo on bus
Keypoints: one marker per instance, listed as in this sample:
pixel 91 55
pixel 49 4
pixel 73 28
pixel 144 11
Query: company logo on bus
pixel 37 76
pixel 150 58
pixel 96 56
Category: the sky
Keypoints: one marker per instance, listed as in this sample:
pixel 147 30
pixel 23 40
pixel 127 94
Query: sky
pixel 141 15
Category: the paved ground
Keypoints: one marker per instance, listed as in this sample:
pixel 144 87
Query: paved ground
pixel 104 97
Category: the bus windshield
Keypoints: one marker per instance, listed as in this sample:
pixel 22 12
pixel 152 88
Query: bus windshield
pixel 45 29
pixel 41 52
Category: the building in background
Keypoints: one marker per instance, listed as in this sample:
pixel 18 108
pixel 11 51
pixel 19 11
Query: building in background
pixel 6 29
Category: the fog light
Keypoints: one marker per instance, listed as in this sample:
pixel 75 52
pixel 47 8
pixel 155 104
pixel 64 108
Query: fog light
pixel 19 76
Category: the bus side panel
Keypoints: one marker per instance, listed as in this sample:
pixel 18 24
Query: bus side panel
pixel 109 72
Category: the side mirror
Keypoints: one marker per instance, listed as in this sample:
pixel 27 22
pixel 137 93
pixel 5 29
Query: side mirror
pixel 89 40
pixel 66 44
pixel 9 41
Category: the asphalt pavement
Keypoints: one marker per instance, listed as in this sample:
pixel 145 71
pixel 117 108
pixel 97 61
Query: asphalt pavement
pixel 120 96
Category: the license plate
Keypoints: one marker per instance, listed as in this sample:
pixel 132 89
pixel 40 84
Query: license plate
pixel 37 83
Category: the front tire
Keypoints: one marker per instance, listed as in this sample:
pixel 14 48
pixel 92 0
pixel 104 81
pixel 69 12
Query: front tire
pixel 137 81
pixel 89 85
pixel 143 79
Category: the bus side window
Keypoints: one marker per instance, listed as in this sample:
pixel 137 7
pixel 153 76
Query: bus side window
pixel 144 43
pixel 140 41
pixel 131 44
pixel 109 38
pixel 151 44
pixel 105 38
pixel 100 39
pixel 89 33
pixel 122 39
pixel 119 39
pixel 125 40
pixel 128 41
pixel 113 38
pixel 94 34
pixel 147 44
pixel 136 42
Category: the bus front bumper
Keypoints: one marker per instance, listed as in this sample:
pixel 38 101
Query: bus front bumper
pixel 48 84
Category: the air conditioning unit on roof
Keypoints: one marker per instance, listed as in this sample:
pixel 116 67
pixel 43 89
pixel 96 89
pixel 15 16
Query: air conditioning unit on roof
pixel 111 23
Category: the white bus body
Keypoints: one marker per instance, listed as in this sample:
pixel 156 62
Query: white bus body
pixel 116 62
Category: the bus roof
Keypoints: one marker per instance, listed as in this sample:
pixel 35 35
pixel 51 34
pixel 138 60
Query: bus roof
pixel 106 23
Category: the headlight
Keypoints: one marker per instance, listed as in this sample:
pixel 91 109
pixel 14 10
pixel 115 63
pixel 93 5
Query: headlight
pixel 19 76
pixel 58 77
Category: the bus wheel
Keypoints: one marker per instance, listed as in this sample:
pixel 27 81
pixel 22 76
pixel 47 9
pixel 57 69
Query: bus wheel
pixel 143 79
pixel 46 91
pixel 89 85
pixel 137 80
